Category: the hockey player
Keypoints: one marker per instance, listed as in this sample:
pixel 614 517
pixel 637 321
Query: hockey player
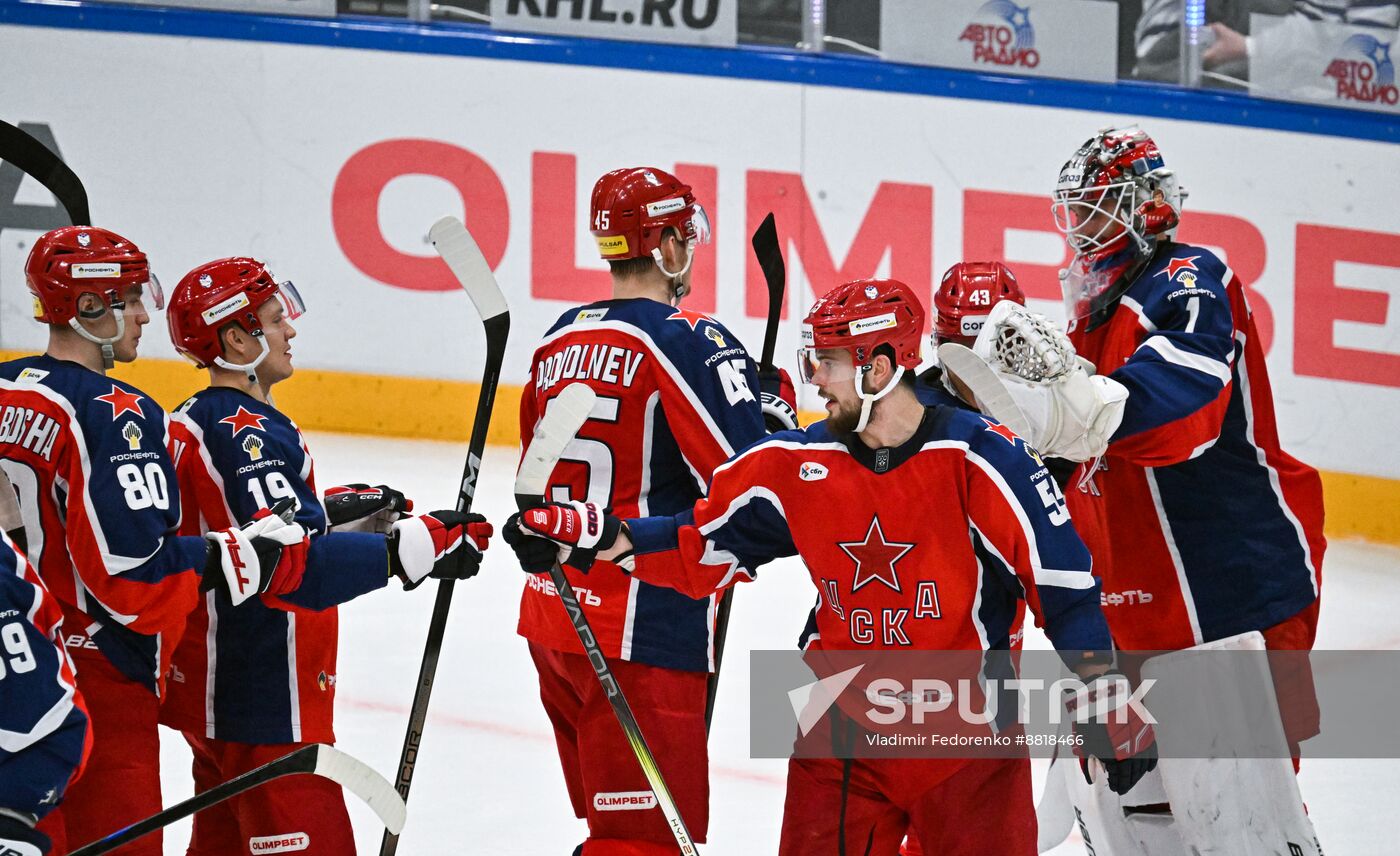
pixel 87 456
pixel 850 496
pixel 253 682
pixel 1205 532
pixel 41 711
pixel 677 395
pixel 964 298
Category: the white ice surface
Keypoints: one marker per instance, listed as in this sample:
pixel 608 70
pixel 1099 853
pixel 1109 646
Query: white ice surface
pixel 488 779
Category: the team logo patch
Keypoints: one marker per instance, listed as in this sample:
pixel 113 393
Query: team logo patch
pixel 1000 430
pixel 96 270
pixel 1176 266
pixel 286 843
pixel 325 681
pixel 1187 278
pixel 691 317
pixel 253 445
pixel 589 315
pixel 121 401
pixel 84 239
pixel 132 432
pixel 875 557
pixel 877 322
pixel 811 471
pixel 624 801
pixel 244 418
pixel 871 292
pixel 714 336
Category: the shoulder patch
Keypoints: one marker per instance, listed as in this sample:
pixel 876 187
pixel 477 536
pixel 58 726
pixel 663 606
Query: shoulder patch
pixel 31 375
pixel 690 317
pixel 244 418
pixel 586 315
pixel 714 335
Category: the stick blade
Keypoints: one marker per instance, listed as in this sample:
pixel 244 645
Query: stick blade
pixel 563 418
pixel 463 257
pixel 362 781
pixel 769 254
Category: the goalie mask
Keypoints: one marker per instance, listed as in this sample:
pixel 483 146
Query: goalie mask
pixel 75 260
pixel 223 292
pixel 1115 201
pixel 630 211
pixel 858 317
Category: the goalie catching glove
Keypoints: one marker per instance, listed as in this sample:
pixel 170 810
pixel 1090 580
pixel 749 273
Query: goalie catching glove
pixel 1024 372
pixel 1114 728
pixel 570 533
pixel 266 556
pixel 446 545
pixel 361 508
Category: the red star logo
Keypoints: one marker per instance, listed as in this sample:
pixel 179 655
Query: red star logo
pixel 244 418
pixel 690 316
pixel 121 401
pixel 1176 265
pixel 1001 431
pixel 875 557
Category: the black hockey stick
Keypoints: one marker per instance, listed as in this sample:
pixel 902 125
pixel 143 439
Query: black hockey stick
pixel 562 419
pixel 317 759
pixel 455 245
pixel 770 258
pixel 34 158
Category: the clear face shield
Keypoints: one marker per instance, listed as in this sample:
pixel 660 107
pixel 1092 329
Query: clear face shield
pixel 293 307
pixel 696 232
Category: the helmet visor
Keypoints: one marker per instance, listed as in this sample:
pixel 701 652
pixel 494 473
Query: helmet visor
pixel 152 288
pixel 699 224
pixel 290 299
pixel 824 365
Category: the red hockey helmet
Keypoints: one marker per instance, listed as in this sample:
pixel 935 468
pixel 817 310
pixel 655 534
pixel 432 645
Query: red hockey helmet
pixel 219 293
pixel 966 295
pixel 75 260
pixel 632 208
pixel 858 317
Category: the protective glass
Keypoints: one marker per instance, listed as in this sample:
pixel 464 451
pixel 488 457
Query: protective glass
pixel 291 301
pixel 828 362
pixel 1093 217
pixel 1083 284
pixel 151 288
pixel 699 224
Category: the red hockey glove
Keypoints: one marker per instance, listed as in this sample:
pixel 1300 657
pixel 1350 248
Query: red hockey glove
pixel 581 529
pixel 446 545
pixel 361 508
pixel 1113 729
pixel 266 556
pixel 779 400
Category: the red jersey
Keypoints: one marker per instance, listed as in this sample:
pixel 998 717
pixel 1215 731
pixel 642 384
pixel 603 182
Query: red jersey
pixel 677 396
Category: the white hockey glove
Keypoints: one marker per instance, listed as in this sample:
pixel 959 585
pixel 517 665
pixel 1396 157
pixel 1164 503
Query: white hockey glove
pixel 1024 372
pixel 267 555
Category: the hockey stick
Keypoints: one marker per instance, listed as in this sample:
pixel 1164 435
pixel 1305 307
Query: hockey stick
pixel 562 419
pixel 452 241
pixel 770 258
pixel 318 759
pixel 34 158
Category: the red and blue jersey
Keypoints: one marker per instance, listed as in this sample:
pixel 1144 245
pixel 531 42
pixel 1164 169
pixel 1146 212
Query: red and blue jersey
pixel 677 396
pixel 1202 526
pixel 263 671
pixel 926 546
pixel 87 457
pixel 44 733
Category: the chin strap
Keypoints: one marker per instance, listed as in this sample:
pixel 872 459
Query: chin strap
pixel 867 399
pixel 678 289
pixel 249 369
pixel 108 355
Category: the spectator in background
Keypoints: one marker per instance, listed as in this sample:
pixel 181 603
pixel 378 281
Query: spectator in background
pixel 1232 47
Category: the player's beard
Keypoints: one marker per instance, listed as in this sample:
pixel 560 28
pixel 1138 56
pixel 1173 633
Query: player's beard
pixel 844 420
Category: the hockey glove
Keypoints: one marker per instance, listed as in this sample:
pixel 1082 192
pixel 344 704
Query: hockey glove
pixel 779 400
pixel 536 555
pixel 1111 727
pixel 266 556
pixel 446 545
pixel 361 508
pixel 20 838
pixel 580 530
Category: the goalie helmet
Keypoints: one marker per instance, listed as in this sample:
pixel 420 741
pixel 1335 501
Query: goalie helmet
pixel 859 317
pixel 1115 200
pixel 219 293
pixel 966 296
